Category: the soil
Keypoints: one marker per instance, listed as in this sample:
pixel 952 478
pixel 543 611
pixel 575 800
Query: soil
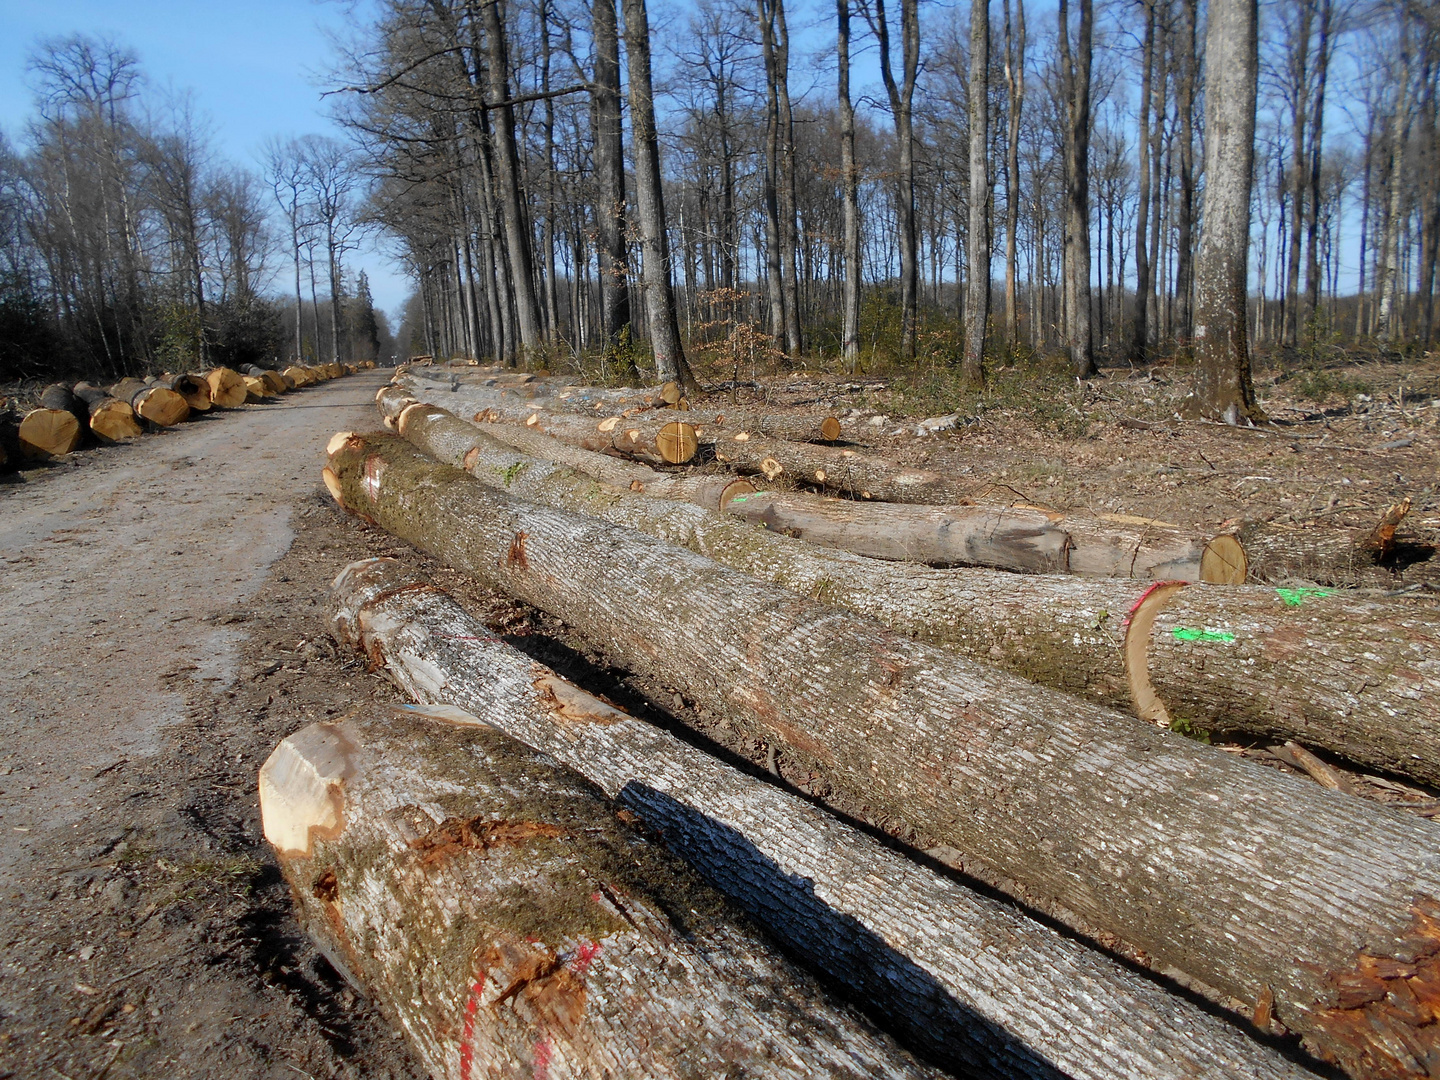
pixel 163 625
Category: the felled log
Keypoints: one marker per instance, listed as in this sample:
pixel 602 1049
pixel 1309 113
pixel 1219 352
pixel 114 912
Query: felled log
pixel 274 384
pixel 526 928
pixel 969 982
pixel 47 433
pixel 61 397
pixel 1256 883
pixel 1239 659
pixel 1340 557
pixel 194 389
pixel 110 419
pixel 256 389
pixel 300 375
pixel 160 405
pixel 227 388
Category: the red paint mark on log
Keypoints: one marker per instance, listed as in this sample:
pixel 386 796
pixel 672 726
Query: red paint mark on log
pixel 1145 595
pixel 467 1033
pixel 543 1054
pixel 586 953
pixel 374 470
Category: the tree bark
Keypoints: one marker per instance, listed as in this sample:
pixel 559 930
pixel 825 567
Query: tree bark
pixel 110 419
pixel 1185 208
pixel 1015 95
pixel 1076 74
pixel 609 155
pixel 1299 64
pixel 1024 1009
pixel 850 194
pixel 1244 900
pixel 531 930
pixel 977 244
pixel 1223 386
pixel 1140 327
pixel 517 230
pixel 649 200
pixel 902 96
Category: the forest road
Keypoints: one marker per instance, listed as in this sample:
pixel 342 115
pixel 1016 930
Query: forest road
pixel 143 929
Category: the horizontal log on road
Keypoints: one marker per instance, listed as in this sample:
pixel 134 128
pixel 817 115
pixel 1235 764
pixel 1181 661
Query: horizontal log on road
pixel 510 922
pixel 110 419
pixel 1354 676
pixel 194 389
pixel 943 984
pixel 1257 883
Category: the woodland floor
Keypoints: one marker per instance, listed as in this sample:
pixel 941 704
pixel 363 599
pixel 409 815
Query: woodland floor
pixel 162 626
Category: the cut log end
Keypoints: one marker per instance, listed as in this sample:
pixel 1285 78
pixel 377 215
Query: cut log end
pixel 339 439
pixel 227 388
pixel 830 429
pixel 162 407
pixel 332 484
pixel 1141 622
pixel 301 786
pixel 1223 561
pixel 608 425
pixel 113 421
pixel 47 433
pixel 195 390
pixel 670 393
pixel 677 443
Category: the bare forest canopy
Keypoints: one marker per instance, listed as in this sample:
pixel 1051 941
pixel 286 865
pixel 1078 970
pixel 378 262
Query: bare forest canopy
pixel 131 246
pixel 804 211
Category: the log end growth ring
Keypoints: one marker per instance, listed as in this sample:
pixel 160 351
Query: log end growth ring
pixel 302 789
pixel 677 442
pixel 1223 562
pixel 1136 650
pixel 830 429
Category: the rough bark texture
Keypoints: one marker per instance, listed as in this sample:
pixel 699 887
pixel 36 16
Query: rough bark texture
pixel 510 922
pixel 1349 675
pixel 1223 386
pixel 1257 883
pixel 921 948
pixel 609 157
pixel 977 300
pixel 1334 557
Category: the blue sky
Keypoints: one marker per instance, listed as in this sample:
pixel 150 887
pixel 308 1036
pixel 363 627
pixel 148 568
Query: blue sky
pixel 252 67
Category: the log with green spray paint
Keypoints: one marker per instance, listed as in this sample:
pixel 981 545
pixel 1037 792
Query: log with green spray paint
pixel 1354 676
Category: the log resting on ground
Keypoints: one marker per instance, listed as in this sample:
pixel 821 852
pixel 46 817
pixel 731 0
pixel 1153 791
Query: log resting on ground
pixel 1260 884
pixel 918 947
pixel 194 389
pixel 510 922
pixel 1333 557
pixel 47 433
pixel 1356 677
pixel 227 388
pixel 1012 538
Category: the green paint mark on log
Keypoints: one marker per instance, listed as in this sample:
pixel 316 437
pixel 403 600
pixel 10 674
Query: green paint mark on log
pixel 1190 633
pixel 1296 597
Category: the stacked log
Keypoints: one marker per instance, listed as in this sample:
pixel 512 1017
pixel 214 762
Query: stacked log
pixel 194 389
pixel 1270 889
pixel 111 420
pixel 227 388
pixel 569 942
pixel 49 433
pixel 1247 659
pixel 160 405
pixel 967 981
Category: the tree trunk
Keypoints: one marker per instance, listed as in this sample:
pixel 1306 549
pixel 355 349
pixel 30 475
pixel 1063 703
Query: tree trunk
pixel 1079 340
pixel 1263 886
pixel 609 155
pixel 1299 64
pixel 649 200
pixel 902 96
pixel 1140 329
pixel 1024 1009
pixel 1389 287
pixel 850 194
pixel 1185 209
pixel 508 174
pixel 1312 222
pixel 1015 95
pixel 789 206
pixel 570 943
pixel 977 303
pixel 1223 386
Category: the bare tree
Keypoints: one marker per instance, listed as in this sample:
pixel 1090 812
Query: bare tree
pixel 1075 72
pixel 850 193
pixel 1015 102
pixel 977 304
pixel 1223 387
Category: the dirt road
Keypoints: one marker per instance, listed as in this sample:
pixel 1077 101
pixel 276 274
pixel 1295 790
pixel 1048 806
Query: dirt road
pixel 161 626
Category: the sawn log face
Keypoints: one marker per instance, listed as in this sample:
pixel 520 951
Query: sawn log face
pixel 1243 877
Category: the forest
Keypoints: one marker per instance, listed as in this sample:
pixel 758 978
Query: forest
pixel 611 188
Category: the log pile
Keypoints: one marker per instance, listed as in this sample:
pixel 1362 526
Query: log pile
pixel 1212 865
pixel 970 708
pixel 68 416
